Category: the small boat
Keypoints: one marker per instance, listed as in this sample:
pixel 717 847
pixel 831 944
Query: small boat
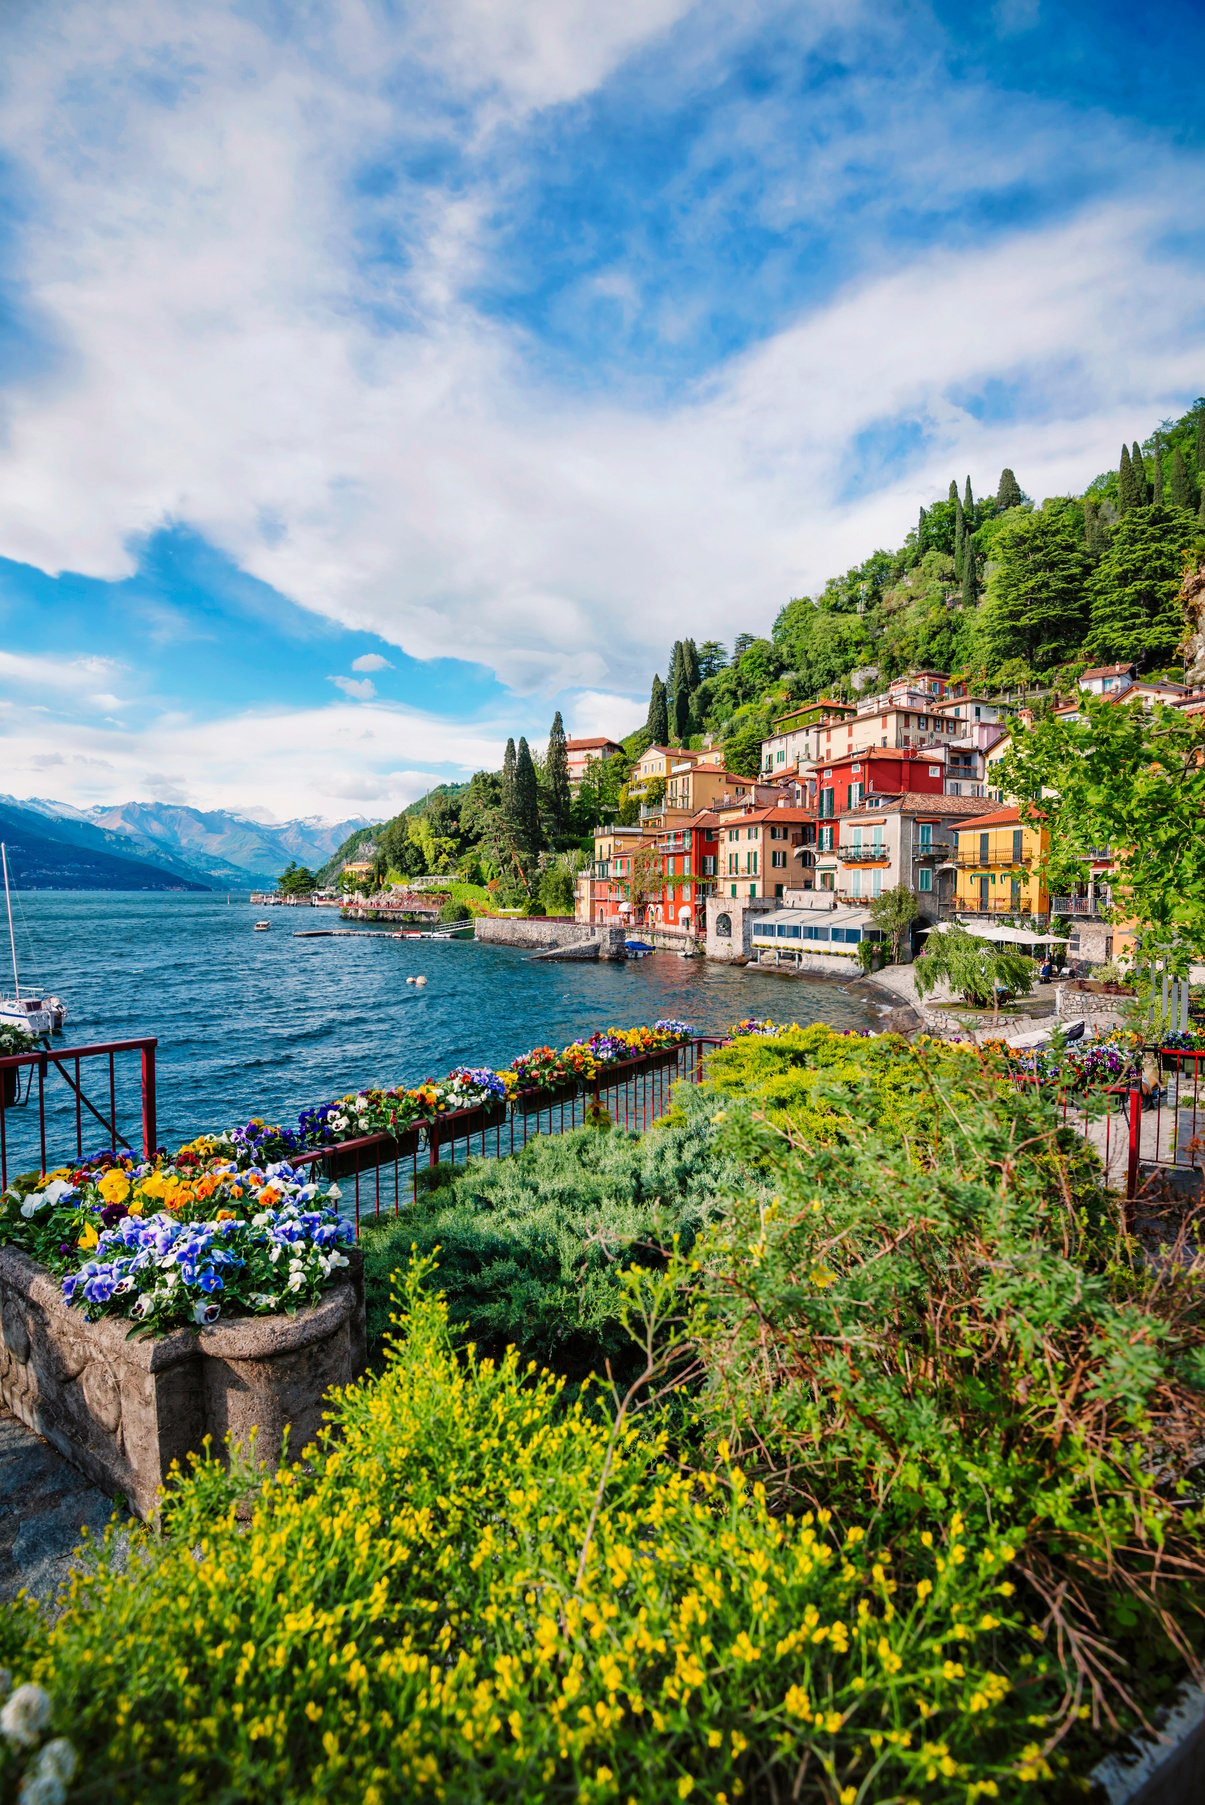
pixel 39 1016
pixel 261 927
pixel 637 949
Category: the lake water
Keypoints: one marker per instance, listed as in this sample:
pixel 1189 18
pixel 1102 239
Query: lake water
pixel 264 1024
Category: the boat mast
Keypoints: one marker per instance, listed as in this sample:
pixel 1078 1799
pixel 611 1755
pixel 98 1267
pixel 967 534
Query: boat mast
pixel 12 939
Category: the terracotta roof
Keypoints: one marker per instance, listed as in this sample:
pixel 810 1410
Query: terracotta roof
pixel 1108 670
pixel 915 802
pixel 1001 817
pixel 585 745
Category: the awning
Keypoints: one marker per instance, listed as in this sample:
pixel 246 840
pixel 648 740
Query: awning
pixel 1005 936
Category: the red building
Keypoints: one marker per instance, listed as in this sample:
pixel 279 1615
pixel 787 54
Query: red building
pixel 844 783
pixel 689 855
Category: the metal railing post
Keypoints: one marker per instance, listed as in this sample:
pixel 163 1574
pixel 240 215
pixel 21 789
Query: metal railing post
pixel 1134 1152
pixel 150 1126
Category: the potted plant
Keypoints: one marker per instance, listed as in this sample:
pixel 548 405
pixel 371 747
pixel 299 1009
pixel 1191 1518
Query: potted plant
pixel 13 1040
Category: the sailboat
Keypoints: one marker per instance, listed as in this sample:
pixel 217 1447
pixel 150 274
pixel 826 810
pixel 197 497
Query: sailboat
pixel 39 1016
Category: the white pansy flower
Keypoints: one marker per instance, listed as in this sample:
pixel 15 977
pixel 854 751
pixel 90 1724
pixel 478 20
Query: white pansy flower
pixel 25 1715
pixel 56 1189
pixel 59 1759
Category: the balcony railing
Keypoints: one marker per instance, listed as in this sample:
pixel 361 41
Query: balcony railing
pixel 875 851
pixel 994 906
pixel 1080 905
pixel 995 861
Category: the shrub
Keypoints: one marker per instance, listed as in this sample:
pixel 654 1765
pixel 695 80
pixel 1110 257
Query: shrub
pixel 475 1591
pixel 455 911
pixel 531 1248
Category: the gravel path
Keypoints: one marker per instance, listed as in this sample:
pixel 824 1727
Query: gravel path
pixel 44 1503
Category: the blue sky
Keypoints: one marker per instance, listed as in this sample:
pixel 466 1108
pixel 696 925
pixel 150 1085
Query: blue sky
pixel 376 378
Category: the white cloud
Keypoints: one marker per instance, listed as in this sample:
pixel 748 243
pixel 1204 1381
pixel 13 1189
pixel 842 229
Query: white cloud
pixel 199 262
pixel 594 712
pixel 332 761
pixel 361 688
pixel 371 661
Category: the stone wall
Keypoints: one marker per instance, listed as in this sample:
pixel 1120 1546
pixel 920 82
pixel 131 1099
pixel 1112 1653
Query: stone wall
pixel 729 925
pixel 1073 1004
pixel 828 965
pixel 123 1410
pixel 536 932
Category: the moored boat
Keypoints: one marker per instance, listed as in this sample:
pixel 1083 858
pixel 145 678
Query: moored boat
pixel 39 1016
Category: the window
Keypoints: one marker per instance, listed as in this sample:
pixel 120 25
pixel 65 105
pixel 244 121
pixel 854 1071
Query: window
pixel 985 848
pixel 723 927
pixel 855 794
pixel 855 883
pixel 827 797
pixel 789 931
pixel 827 880
pixel 778 859
pixel 708 864
pixel 876 883
pixel 734 889
pixel 935 770
pixel 826 839
pixel 750 833
pixel 1018 845
pixel 782 757
pixel 925 879
pixel 926 836
pixel 753 889
pixel 753 862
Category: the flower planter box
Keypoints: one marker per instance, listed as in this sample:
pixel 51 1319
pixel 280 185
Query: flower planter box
pixel 463 1124
pixel 367 1152
pixel 530 1103
pixel 664 1061
pixel 123 1410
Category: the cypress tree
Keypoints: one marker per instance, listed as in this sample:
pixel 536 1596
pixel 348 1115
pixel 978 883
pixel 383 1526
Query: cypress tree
pixel 960 537
pixel 690 666
pixel 508 777
pixel 1096 537
pixel 1201 447
pixel 680 714
pixel 1184 490
pixel 527 801
pixel 969 591
pixel 968 501
pixel 558 772
pixel 953 489
pixel 1008 495
pixel 920 531
pixel 657 724
pixel 1138 466
pixel 1158 496
pixel 674 681
pixel 1127 488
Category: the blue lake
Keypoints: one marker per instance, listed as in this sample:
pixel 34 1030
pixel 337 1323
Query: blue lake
pixel 263 1024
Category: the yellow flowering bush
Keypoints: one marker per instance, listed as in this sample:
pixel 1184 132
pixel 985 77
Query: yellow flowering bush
pixel 473 1590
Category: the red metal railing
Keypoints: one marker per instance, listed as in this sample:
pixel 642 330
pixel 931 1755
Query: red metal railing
pixel 40 1065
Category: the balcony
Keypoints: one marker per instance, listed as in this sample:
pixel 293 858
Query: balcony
pixel 1080 905
pixel 874 853
pixel 995 861
pixel 994 906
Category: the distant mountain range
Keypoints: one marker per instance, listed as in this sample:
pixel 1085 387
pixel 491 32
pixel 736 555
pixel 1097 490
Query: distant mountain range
pixel 157 846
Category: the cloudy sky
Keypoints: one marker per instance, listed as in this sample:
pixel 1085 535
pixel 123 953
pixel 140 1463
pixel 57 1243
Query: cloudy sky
pixel 376 378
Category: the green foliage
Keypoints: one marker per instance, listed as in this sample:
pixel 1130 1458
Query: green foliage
pixel 296 880
pixel 979 970
pixel 893 912
pixel 15 1040
pixel 1183 489
pixel 657 724
pixel 557 892
pixel 1132 781
pixel 455 910
pixel 742 751
pixel 1036 605
pixel 525 821
pixel 1136 612
pixel 532 1249
pixel 557 771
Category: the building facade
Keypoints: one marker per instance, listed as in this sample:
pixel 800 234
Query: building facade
pixel 581 753
pixel 997 860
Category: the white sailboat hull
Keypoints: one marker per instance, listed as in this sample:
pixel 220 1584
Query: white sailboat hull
pixel 28 1015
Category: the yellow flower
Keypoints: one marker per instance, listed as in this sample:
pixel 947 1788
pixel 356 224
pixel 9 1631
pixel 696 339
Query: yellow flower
pixel 114 1187
pixel 89 1238
pixel 685 1786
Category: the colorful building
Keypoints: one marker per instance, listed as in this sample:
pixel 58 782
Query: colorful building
pixel 884 841
pixel 997 859
pixel 581 753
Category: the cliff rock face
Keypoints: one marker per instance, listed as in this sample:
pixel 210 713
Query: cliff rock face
pixel 1193 596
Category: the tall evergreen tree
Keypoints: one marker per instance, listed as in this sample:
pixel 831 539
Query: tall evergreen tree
pixel 1201 447
pixel 741 644
pixel 1096 537
pixel 1008 494
pixel 1138 466
pixel 968 503
pixel 953 488
pixel 657 724
pixel 527 801
pixel 1036 603
pixel 1184 490
pixel 960 534
pixel 690 666
pixel 970 589
pixel 674 681
pixel 712 659
pixel 557 770
pixel 1135 589
pixel 920 531
pixel 1127 488
pixel 508 780
pixel 1158 474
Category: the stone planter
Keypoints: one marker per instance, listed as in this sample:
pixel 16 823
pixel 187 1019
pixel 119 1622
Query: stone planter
pixel 122 1410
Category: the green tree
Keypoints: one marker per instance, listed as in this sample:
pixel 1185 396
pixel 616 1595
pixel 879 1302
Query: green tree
pixel 954 491
pixel 1036 604
pixel 691 674
pixel 978 970
pixel 968 501
pixel 712 659
pixel 1158 473
pixel 1096 535
pixel 557 769
pixel 1183 489
pixel 741 644
pixel 508 782
pixel 557 891
pixel 960 536
pixel 527 803
pixel 1135 610
pixel 1008 492
pixel 657 723
pixel 742 751
pixel 1127 487
pixel 1201 444
pixel 296 880
pixel 1138 467
pixel 1133 781
pixel 893 914
pixel 970 588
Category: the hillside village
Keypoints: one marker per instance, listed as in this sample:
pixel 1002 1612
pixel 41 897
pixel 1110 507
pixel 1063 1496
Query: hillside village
pixel 851 799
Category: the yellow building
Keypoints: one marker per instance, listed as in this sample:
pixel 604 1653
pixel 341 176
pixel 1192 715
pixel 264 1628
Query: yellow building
pixel 997 859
